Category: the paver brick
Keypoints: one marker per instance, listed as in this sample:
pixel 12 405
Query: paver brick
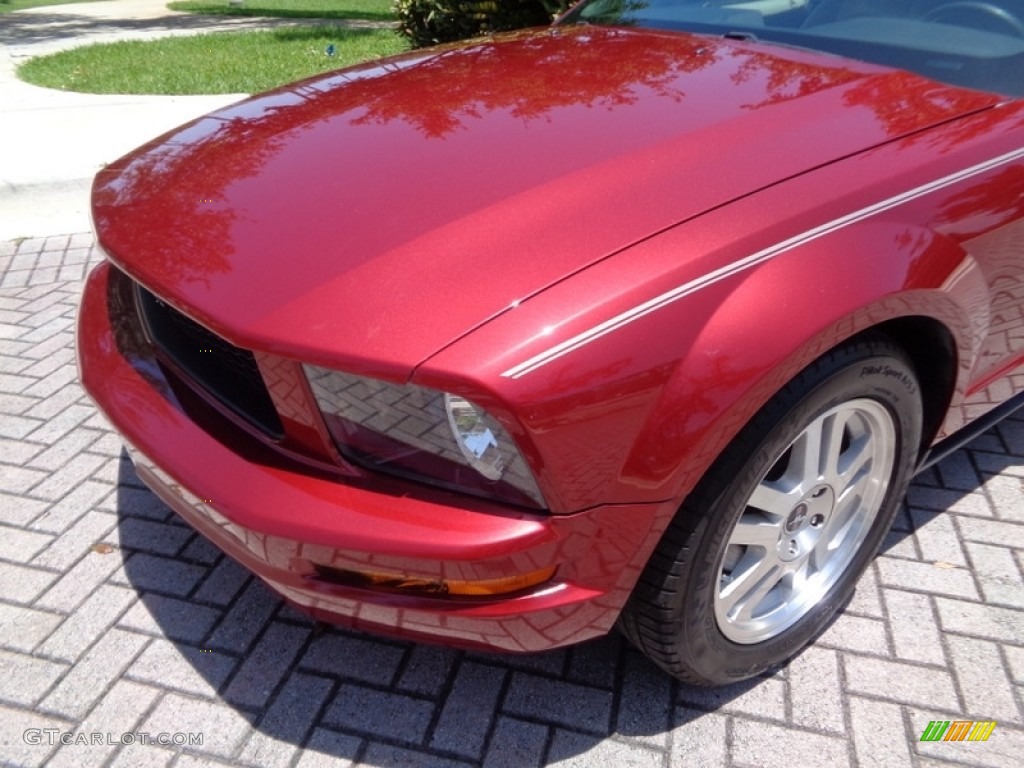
pixel 901 682
pixel 114 717
pixel 917 636
pixel 82 628
pixel 222 583
pixel 24 737
pixel 22 629
pixel 576 750
pixel 427 668
pixel 945 500
pixel 223 729
pixel 24 584
pixel 399 757
pixel 927 577
pixel 27 678
pixel 516 744
pixel 70 476
pixel 65 513
pixel 987 693
pixel 980 620
pixel 87 681
pixel 10 363
pixel 184 668
pixel 998 574
pixel 56 457
pixel 816 691
pixel 170 617
pixel 21 546
pixel 16 405
pixel 998 532
pixel 18 480
pixel 249 613
pixel 1006 493
pixel 54 383
pixel 880 738
pixel 937 537
pixel 360 709
pixel 866 600
pixel 65 550
pixel 359 659
pixel 13 426
pixel 139 502
pixel 595 662
pixel 200 550
pixel 469 708
pixel 699 737
pixel 266 665
pixel 765 698
pixel 330 749
pixel 153 537
pixel 288 721
pixel 166 575
pixel 770 746
pixel 559 703
pixel 1015 659
pixel 262 750
pixel 645 703
pixel 958 473
pixel 79 582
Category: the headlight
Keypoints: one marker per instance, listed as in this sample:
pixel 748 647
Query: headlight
pixel 426 434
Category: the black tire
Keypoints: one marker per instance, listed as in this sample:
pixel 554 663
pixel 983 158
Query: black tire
pixel 739 585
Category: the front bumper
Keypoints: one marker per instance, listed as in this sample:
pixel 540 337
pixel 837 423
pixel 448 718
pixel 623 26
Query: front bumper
pixel 291 526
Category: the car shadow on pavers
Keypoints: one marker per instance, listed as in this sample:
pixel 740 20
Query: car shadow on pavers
pixel 971 482
pixel 260 680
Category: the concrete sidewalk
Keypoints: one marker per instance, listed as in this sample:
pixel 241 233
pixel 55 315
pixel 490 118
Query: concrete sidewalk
pixel 53 142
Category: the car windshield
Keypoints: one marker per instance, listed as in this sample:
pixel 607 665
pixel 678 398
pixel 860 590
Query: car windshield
pixel 972 43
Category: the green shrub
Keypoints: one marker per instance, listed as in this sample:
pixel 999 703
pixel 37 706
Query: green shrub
pixel 426 22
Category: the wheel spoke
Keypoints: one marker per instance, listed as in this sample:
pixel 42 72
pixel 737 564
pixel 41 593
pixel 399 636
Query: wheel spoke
pixel 833 429
pixel 754 597
pixel 755 531
pixel 805 463
pixel 854 460
pixel 738 599
pixel 774 501
pixel 849 506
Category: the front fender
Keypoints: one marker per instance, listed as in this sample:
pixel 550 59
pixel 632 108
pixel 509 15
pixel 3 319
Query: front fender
pixel 779 318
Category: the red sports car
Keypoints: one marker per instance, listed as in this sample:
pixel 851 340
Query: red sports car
pixel 645 318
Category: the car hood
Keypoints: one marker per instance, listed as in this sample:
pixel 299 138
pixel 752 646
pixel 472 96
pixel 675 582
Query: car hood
pixel 367 218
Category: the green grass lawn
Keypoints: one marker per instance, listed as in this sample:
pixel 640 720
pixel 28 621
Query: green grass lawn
pixel 6 6
pixel 375 10
pixel 220 62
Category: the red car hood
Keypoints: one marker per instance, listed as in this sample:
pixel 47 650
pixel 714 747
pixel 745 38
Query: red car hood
pixel 367 218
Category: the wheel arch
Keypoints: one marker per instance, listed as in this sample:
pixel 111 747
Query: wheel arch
pixel 932 351
pixel 933 314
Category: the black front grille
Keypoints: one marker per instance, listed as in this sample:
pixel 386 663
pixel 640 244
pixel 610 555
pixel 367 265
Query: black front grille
pixel 219 368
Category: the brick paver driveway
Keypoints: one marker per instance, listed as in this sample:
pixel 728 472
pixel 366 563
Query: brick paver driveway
pixel 118 625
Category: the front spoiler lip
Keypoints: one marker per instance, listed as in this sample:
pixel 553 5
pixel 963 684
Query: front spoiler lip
pixel 278 523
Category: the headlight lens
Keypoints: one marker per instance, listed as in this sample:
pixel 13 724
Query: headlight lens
pixel 426 434
pixel 474 437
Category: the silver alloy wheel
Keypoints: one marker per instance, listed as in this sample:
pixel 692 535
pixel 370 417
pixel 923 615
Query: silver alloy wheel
pixel 805 521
